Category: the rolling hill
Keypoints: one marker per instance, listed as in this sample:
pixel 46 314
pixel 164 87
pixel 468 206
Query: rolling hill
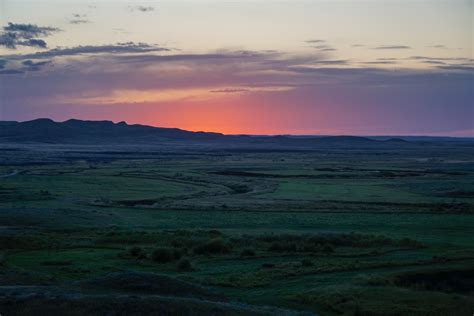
pixel 74 131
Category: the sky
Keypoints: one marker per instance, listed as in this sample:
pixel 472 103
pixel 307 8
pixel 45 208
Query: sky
pixel 333 67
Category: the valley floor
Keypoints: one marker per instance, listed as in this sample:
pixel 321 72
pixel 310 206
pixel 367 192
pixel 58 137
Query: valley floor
pixel 333 231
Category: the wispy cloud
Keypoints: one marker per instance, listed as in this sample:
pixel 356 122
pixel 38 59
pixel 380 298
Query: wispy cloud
pixel 324 48
pixel 119 48
pixel 315 41
pixel 141 8
pixel 380 62
pixel 440 58
pixel 35 66
pixel 11 72
pixel 438 46
pixel 392 47
pixel 230 90
pixel 24 66
pixel 79 21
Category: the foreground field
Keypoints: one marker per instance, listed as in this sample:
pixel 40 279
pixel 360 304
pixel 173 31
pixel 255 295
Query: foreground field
pixel 329 232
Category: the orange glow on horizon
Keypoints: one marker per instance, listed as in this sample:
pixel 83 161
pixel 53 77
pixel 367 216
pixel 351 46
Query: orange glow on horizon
pixel 243 114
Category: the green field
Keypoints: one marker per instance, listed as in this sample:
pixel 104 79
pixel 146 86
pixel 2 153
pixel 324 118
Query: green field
pixel 329 232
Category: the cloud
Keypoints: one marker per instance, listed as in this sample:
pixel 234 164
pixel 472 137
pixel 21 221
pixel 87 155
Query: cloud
pixel 33 42
pixel 320 45
pixel 14 35
pixel 141 8
pixel 438 46
pixel 134 96
pixel 119 30
pixel 261 88
pixel 35 66
pixel 468 68
pixel 29 30
pixel 23 66
pixel 119 48
pixel 333 71
pixel 324 48
pixel 305 88
pixel 380 62
pixel 79 21
pixel 392 47
pixel 331 62
pixel 12 40
pixel 10 72
pixel 435 62
pixel 9 40
pixel 145 9
pixel 440 58
pixel 315 41
pixel 31 63
pixel 230 90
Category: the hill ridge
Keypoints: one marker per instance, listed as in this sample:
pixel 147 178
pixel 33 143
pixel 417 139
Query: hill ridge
pixel 75 131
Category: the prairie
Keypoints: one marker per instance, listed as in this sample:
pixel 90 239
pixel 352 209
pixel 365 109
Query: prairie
pixel 326 232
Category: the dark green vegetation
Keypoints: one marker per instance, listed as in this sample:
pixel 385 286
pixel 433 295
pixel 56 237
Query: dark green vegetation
pixel 331 231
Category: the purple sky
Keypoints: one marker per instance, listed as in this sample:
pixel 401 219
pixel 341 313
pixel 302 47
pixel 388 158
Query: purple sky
pixel 258 67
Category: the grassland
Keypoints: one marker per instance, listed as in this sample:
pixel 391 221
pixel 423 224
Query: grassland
pixel 329 232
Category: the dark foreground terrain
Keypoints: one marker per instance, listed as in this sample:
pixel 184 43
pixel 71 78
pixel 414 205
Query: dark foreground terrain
pixel 342 226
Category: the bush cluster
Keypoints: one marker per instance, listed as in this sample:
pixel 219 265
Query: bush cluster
pixel 165 254
pixel 213 246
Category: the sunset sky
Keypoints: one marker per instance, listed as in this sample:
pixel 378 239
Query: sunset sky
pixel 257 67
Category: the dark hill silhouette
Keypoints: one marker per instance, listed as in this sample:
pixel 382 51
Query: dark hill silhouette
pixel 80 132
pixel 106 132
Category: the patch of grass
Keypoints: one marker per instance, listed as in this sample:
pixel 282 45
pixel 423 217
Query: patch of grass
pixel 184 265
pixel 350 300
pixel 248 252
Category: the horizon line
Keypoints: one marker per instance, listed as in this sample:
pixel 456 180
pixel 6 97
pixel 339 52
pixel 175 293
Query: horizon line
pixel 244 134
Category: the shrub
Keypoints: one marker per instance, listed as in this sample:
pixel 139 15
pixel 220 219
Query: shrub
pixel 247 253
pixel 407 242
pixel 213 246
pixel 56 263
pixel 184 265
pixel 283 247
pixel 44 192
pixel 373 280
pixel 135 251
pixel 215 233
pixel 268 265
pixel 328 249
pixel 164 254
